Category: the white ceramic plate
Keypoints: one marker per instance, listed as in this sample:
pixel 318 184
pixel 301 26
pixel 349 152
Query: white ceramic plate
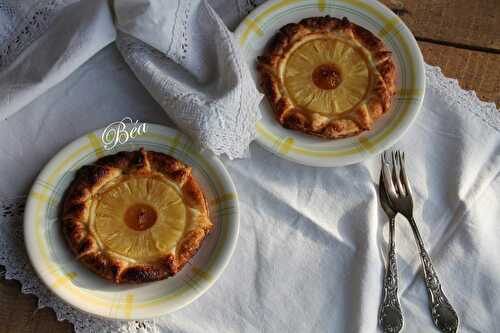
pixel 81 288
pixel 258 27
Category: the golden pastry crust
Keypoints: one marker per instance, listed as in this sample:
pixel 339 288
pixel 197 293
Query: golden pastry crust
pixel 376 101
pixel 85 188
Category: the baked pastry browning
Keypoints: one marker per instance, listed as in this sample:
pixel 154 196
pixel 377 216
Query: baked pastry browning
pixel 327 77
pixel 135 216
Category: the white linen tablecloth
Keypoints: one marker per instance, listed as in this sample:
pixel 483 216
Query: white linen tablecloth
pixel 313 241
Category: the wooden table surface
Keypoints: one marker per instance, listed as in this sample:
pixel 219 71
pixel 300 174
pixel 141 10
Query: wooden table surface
pixel 460 36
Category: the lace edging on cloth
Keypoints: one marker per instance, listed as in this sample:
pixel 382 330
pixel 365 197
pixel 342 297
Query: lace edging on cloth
pixel 28 29
pixel 15 260
pixel 468 99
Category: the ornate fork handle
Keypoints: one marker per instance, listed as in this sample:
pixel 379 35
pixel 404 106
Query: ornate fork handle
pixel 444 316
pixel 391 319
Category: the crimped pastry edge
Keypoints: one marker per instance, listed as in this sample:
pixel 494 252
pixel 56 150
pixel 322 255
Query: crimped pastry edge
pixel 359 120
pixel 76 208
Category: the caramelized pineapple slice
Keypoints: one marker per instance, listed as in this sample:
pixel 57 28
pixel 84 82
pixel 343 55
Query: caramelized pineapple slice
pixel 327 76
pixel 140 218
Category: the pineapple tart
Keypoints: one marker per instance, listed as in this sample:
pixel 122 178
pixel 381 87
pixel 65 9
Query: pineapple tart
pixel 327 77
pixel 135 216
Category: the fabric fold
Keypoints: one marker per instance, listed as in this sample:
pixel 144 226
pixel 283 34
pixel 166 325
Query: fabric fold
pixel 188 61
pixel 78 32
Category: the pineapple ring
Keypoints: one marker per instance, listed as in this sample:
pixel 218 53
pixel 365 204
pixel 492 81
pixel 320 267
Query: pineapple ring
pixel 121 209
pixel 334 80
pixel 135 216
pixel 327 77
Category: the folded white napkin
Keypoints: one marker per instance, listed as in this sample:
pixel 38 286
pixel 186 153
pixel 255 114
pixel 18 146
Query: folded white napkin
pixel 186 58
pixel 59 36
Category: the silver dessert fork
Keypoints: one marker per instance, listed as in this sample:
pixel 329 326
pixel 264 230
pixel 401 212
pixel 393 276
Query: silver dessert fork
pixel 390 316
pixel 400 197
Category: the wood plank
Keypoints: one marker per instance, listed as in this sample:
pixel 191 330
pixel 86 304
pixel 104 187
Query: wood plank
pixel 465 23
pixel 478 71
pixel 19 313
